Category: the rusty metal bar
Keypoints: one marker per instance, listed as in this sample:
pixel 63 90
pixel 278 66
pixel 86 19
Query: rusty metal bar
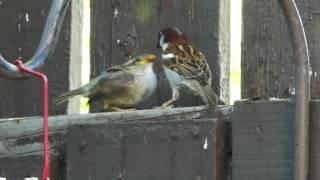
pixel 301 60
pixel 47 43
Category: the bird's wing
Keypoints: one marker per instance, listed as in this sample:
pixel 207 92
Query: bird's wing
pixel 188 62
pixel 110 83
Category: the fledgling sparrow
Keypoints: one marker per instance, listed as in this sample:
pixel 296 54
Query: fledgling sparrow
pixel 121 86
pixel 185 66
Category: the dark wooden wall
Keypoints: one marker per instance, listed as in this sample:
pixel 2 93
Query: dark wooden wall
pixel 121 28
pixel 19 38
pixel 263 140
pixel 267 56
pixel 148 150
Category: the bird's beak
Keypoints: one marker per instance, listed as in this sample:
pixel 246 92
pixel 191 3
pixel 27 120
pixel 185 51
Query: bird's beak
pixel 150 58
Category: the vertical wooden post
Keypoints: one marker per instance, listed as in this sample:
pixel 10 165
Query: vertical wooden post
pixel 224 49
pixel 127 28
pixel 267 54
pixel 79 56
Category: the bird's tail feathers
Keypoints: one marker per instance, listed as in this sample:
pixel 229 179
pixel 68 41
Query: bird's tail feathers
pixel 208 95
pixel 65 96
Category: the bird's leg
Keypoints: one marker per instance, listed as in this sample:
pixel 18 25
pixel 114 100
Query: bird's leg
pixel 107 106
pixel 175 97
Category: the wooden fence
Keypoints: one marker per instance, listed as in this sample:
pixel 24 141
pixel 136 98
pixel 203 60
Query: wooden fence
pixel 122 28
pixel 22 23
pixel 183 143
pixel 118 29
pixel 267 56
pixel 262 138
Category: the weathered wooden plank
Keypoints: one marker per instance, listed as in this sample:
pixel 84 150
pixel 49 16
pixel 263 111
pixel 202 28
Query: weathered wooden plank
pixel 315 141
pixel 22 24
pixel 18 168
pixel 267 56
pixel 77 57
pixel 21 139
pixel 263 140
pixel 131 27
pixel 24 136
pixel 314 46
pixel 150 150
pixel 30 145
pixel 224 48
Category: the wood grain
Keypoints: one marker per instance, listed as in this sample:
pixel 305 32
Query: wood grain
pixel 267 57
pixel 178 149
pixel 263 140
pixel 127 28
pixel 21 141
pixel 22 24
pixel 315 141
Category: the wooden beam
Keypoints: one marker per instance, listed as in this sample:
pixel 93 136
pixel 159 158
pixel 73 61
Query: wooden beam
pixel 22 136
pixel 267 63
pixel 315 141
pixel 21 141
pixel 263 140
pixel 20 168
pixel 79 67
pixel 224 49
pixel 175 149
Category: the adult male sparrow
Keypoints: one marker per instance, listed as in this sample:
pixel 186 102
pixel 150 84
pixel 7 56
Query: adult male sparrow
pixel 121 86
pixel 185 66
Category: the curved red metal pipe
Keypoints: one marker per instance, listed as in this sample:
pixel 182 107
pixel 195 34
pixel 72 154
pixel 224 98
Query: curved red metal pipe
pixel 43 77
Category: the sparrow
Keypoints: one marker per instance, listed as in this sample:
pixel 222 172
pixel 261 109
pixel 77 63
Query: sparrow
pixel 121 86
pixel 185 67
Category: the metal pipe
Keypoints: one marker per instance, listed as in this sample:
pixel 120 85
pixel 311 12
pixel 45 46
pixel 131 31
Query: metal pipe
pixel 302 86
pixel 46 153
pixel 47 43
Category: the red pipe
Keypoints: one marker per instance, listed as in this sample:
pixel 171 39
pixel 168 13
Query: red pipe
pixel 46 164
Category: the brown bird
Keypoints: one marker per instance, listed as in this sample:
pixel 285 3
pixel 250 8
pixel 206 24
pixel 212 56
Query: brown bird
pixel 121 86
pixel 185 66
